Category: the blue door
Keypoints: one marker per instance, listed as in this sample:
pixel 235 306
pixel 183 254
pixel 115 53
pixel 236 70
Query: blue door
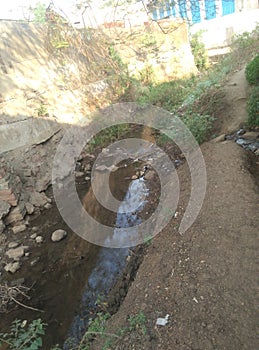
pixel 210 9
pixel 228 6
pixel 182 8
pixel 196 11
pixel 161 13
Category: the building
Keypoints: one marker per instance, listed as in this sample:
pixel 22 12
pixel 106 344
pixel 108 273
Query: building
pixel 197 11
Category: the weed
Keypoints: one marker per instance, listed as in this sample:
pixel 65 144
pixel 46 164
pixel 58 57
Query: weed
pixel 199 51
pixel 138 322
pixel 148 40
pixel 253 107
pixel 23 335
pixel 252 71
pixel 42 110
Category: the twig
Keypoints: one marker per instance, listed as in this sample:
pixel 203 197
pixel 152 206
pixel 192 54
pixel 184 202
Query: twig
pixel 25 306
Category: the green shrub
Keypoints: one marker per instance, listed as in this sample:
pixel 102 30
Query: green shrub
pixel 253 107
pixel 252 71
pixel 199 51
pixel 24 335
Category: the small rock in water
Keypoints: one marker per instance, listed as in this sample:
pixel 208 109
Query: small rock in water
pixel 58 235
pixel 12 267
pixel 39 239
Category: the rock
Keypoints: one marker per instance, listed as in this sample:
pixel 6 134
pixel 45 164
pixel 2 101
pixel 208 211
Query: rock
pixel 87 178
pixel 12 245
pixel 33 236
pixel 58 235
pixel 79 174
pixel 15 253
pixel 150 175
pixel 12 267
pixel 101 168
pixel 47 206
pixel 257 152
pixel 29 208
pixel 16 214
pixel 134 177
pixel 2 226
pixel 4 208
pixel 39 239
pixel 38 199
pixel 34 229
pixel 220 138
pixel 43 183
pixel 34 261
pixel 19 228
pixel 250 135
pixel 8 196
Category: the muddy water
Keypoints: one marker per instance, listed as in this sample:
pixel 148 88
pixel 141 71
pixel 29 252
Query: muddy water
pixel 68 277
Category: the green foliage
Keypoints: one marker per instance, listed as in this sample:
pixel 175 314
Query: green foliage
pixel 138 322
pixel 167 95
pixel 23 335
pixel 39 12
pixel 199 51
pixel 115 56
pixel 148 40
pixel 198 124
pixel 107 136
pixel 42 110
pixel 147 75
pixel 252 71
pixel 253 107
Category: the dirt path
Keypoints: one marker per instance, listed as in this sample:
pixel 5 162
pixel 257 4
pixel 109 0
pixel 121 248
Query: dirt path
pixel 204 280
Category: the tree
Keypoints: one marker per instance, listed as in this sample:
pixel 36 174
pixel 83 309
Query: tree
pixel 39 12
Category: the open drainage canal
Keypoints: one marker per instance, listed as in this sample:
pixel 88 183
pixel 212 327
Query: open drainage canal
pixel 69 277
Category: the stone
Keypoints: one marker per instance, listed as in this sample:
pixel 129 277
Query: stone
pixel 12 245
pixel 220 138
pixel 12 267
pixel 43 183
pixel 4 208
pixel 39 239
pixel 87 178
pixel 58 235
pixel 47 206
pixel 19 228
pixel 134 177
pixel 150 175
pixel 7 195
pixel 16 214
pixel 29 208
pixel 250 135
pixel 33 236
pixel 257 152
pixel 79 174
pixel 15 253
pixel 2 226
pixel 38 199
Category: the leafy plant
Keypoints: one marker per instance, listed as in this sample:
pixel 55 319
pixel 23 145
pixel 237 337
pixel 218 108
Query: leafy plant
pixel 199 51
pixel 39 12
pixel 253 107
pixel 24 335
pixel 42 110
pixel 252 71
pixel 138 322
pixel 149 40
pixel 198 124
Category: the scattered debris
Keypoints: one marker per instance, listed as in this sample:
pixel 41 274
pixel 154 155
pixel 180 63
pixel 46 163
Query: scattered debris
pixel 162 321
